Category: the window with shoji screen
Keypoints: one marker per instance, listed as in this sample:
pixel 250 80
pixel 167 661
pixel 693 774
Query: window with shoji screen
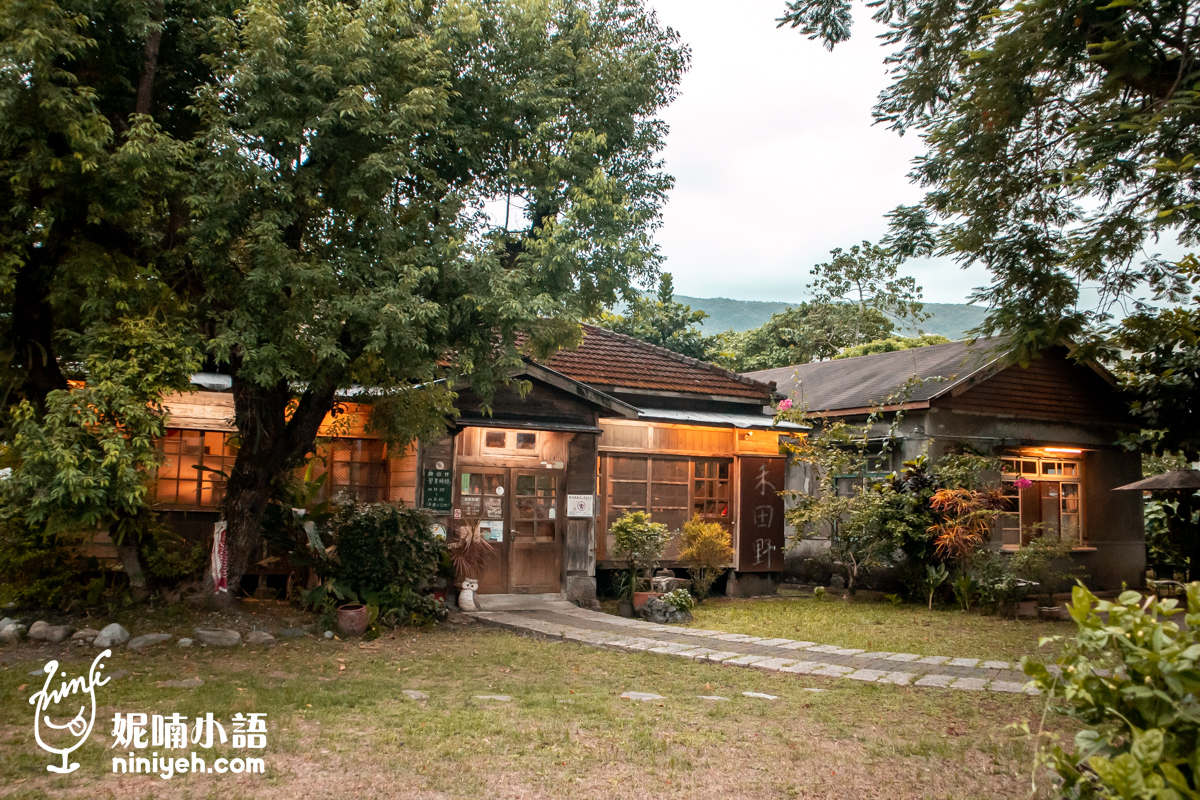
pixel 356 467
pixel 191 475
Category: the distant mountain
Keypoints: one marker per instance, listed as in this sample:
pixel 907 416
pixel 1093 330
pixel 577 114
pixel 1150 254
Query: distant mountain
pixel 951 320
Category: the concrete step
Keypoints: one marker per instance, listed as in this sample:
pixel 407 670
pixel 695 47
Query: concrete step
pixel 523 602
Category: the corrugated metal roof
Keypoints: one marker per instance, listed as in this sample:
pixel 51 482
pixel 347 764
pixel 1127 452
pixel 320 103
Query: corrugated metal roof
pixel 749 421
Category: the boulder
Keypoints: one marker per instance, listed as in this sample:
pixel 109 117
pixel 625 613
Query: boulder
pixel 413 694
pixel 110 636
pixel 12 634
pixel 57 633
pixel 4 623
pixel 148 640
pixel 259 637
pixel 218 637
pixel 85 636
pixel 184 642
pixel 661 613
pixel 293 633
pixel 37 631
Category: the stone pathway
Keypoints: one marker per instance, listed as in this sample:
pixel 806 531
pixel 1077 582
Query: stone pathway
pixel 772 655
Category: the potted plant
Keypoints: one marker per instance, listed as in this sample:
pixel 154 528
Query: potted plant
pixel 468 553
pixel 642 542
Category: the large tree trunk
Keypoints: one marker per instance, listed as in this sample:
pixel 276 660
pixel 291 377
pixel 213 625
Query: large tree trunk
pixel 33 333
pixel 131 562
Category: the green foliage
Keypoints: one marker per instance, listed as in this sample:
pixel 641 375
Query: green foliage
pixel 707 552
pixel 640 541
pixel 891 345
pixel 812 331
pixel 662 321
pixel 382 556
pixel 680 600
pixel 966 589
pixel 866 275
pixel 1131 677
pixel 935 576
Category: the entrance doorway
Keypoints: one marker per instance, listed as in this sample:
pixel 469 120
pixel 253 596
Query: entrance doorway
pixel 517 510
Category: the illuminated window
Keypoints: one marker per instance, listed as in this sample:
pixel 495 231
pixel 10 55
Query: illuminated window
pixel 1048 501
pixel 356 467
pixel 514 442
pixel 196 468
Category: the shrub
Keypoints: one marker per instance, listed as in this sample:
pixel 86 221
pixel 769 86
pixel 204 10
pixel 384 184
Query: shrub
pixel 641 541
pixel 707 552
pixel 1131 677
pixel 383 556
pixel 680 600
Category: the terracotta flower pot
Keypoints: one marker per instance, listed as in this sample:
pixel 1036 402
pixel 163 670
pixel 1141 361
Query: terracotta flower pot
pixel 352 619
pixel 640 598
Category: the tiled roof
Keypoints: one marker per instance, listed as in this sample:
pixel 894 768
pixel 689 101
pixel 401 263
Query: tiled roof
pixel 607 359
pixel 865 381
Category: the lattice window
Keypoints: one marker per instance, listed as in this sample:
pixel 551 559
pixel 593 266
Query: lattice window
pixel 191 476
pixel 356 467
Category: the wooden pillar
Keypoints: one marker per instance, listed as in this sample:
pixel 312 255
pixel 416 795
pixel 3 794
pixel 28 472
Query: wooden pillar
pixel 579 536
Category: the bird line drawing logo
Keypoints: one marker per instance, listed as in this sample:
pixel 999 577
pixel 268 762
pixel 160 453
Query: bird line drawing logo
pixel 61 702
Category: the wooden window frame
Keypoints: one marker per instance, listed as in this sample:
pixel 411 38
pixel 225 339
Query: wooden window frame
pixel 511 436
pixel 208 478
pixel 1063 472
pixel 361 491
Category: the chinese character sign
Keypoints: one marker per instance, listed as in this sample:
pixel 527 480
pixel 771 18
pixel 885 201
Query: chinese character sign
pixel 761 524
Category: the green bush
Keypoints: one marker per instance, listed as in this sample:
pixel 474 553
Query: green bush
pixel 707 553
pixel 382 556
pixel 680 600
pixel 1130 675
pixel 640 541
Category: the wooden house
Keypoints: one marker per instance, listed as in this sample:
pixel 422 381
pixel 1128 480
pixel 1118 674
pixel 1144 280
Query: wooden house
pixel 616 425
pixel 1054 422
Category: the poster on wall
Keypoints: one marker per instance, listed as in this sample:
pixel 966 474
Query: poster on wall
pixel 493 508
pixel 438 490
pixel 492 530
pixel 760 522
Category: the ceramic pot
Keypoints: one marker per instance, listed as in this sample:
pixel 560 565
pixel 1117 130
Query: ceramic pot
pixel 640 598
pixel 352 619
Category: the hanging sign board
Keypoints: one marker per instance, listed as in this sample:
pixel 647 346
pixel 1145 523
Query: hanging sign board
pixel 581 506
pixel 761 535
pixel 438 490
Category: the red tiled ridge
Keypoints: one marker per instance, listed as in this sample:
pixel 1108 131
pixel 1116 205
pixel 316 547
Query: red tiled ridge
pixel 608 359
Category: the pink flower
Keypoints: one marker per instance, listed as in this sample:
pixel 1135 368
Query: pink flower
pixel 785 405
pixel 1022 483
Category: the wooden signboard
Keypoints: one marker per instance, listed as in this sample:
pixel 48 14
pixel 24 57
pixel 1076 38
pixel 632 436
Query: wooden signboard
pixel 761 524
pixel 438 495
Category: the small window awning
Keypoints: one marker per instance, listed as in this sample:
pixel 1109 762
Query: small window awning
pixel 718 419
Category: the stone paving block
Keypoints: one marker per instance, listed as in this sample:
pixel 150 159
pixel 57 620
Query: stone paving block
pixel 824 648
pixel 719 656
pixel 797 645
pixel 939 681
pixel 736 637
pixel 903 657
pixel 833 670
pixel 994 665
pixel 847 651
pixel 644 696
pixel 644 644
pixel 701 632
pixel 878 655
pixel 970 684
pixel 935 660
pixel 1012 687
pixel 760 695
pixel 963 662
pixel 869 675
pixel 774 642
pixel 803 667
pixel 712 697
pixel 670 647
pixel 774 664
pixel 898 678
pixel 744 661
pixel 698 654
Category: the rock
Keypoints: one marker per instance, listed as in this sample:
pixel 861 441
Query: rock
pixel 147 640
pixel 111 635
pixel 259 637
pixel 837 582
pixel 218 637
pixel 500 698
pixel 293 633
pixel 328 634
pixel 413 694
pixel 38 673
pixel 641 696
pixel 85 636
pixel 37 631
pixel 186 683
pixel 4 623
pixel 712 697
pixel 116 676
pixel 12 634
pixel 184 642
pixel 760 695
pixel 57 634
pixel 661 613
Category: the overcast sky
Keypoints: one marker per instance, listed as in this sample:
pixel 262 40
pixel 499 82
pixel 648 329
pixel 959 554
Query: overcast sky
pixel 775 156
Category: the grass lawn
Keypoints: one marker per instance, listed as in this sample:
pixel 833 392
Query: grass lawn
pixel 882 626
pixel 340 727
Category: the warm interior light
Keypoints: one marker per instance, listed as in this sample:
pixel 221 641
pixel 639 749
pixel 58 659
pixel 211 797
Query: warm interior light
pixel 1074 451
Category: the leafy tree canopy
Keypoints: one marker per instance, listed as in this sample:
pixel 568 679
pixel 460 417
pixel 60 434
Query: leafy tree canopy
pixel 307 180
pixel 1061 149
pixel 891 345
pixel 807 332
pixel 867 276
pixel 662 321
